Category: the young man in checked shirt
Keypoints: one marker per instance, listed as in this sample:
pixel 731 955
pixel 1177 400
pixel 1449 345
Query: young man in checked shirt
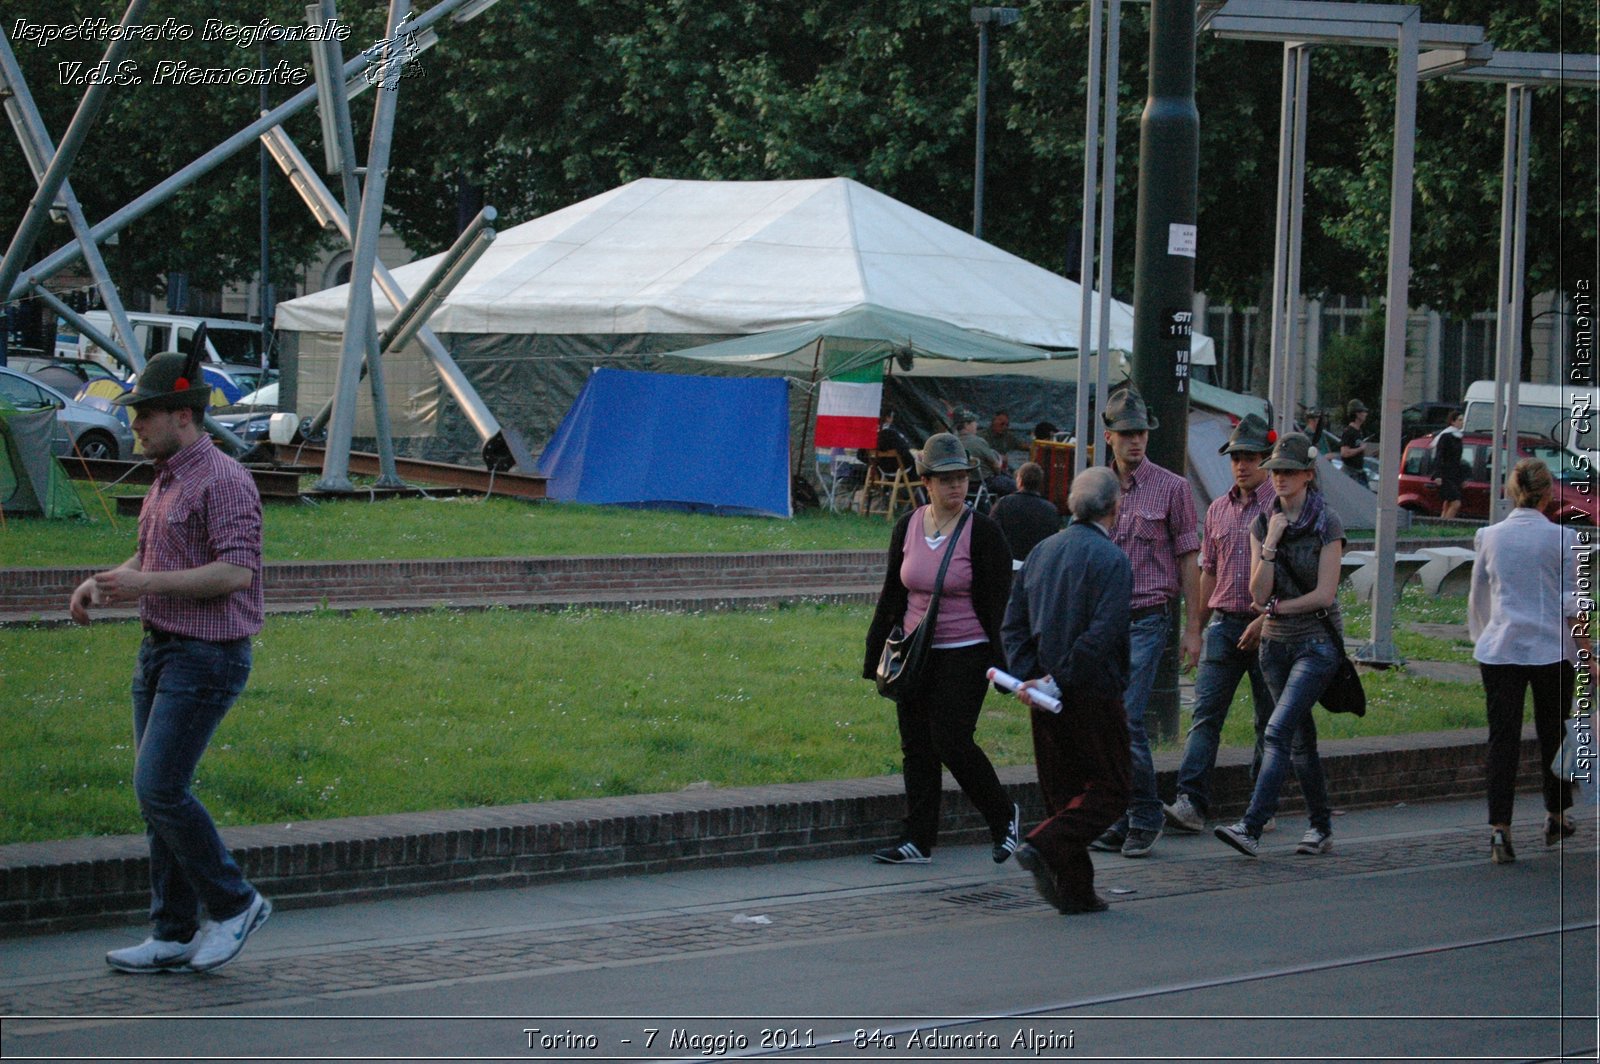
pixel 1234 631
pixel 197 580
pixel 1156 530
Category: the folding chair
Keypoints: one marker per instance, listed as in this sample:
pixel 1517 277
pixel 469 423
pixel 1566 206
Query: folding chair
pixel 888 477
pixel 834 472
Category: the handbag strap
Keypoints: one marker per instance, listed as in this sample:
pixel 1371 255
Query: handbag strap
pixel 1321 615
pixel 938 584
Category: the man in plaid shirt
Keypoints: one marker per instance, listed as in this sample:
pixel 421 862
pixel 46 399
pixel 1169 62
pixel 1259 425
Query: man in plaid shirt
pixel 197 580
pixel 1234 629
pixel 1156 530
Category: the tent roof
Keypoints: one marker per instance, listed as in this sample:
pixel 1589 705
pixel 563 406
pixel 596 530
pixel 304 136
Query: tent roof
pixel 733 257
pixel 867 334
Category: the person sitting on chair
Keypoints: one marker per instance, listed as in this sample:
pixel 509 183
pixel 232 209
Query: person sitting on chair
pixel 1027 517
pixel 991 468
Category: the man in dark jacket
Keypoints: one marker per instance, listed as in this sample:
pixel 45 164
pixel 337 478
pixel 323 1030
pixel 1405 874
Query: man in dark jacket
pixel 1027 518
pixel 1068 621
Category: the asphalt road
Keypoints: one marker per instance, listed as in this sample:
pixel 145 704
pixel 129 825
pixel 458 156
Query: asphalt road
pixel 1403 944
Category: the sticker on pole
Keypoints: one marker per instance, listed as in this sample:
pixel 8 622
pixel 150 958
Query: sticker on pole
pixel 1182 239
pixel 1179 329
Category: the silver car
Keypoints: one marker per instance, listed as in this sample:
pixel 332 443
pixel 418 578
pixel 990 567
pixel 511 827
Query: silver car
pixel 80 429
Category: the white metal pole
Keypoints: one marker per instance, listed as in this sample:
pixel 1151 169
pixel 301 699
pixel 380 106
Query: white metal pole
pixel 1108 196
pixel 1293 362
pixel 1503 375
pixel 1083 431
pixel 1280 237
pixel 1381 649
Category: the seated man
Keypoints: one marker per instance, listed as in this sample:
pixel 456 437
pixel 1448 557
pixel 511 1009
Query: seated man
pixel 991 468
pixel 1027 517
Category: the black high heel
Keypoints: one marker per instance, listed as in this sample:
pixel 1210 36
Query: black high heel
pixel 1500 851
pixel 1556 829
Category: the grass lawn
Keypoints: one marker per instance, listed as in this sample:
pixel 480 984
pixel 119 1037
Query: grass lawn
pixel 364 714
pixel 457 527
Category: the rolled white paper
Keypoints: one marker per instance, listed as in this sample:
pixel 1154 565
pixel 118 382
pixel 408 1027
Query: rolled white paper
pixel 1036 696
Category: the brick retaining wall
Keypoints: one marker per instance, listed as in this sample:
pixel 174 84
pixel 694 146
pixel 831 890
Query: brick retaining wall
pixel 44 592
pixel 79 882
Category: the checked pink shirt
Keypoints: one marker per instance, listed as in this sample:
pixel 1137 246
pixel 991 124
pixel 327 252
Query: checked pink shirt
pixel 1225 550
pixel 202 508
pixel 1155 529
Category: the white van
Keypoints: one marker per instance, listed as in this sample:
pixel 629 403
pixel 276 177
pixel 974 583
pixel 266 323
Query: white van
pixel 1568 415
pixel 237 343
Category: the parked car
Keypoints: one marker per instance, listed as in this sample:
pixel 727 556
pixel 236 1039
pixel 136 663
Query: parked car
pixel 1574 498
pixel 65 375
pixel 80 429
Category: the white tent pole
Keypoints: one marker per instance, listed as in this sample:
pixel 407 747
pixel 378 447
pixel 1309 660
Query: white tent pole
pixel 1091 136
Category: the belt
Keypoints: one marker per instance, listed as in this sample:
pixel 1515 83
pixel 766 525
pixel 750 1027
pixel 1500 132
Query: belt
pixel 1147 611
pixel 156 635
pixel 1248 615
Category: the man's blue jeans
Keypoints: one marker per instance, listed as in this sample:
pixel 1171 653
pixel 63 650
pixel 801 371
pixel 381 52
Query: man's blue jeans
pixel 182 688
pixel 1147 642
pixel 1297 673
pixel 1222 666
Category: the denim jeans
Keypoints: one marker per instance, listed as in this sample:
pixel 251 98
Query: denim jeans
pixel 182 688
pixel 1147 642
pixel 1222 666
pixel 1296 673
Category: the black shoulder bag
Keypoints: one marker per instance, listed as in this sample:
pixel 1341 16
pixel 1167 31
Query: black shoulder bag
pixel 904 658
pixel 1344 693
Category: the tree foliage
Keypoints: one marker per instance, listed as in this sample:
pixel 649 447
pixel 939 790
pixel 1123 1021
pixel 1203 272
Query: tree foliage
pixel 534 106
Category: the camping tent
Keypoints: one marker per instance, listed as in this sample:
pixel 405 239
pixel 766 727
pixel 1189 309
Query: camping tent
pixel 631 275
pixel 32 480
pixel 661 440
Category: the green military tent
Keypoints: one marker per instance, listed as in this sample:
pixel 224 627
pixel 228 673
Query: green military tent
pixel 32 480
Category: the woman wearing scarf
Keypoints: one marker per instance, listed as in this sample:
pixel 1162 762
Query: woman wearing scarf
pixel 1294 580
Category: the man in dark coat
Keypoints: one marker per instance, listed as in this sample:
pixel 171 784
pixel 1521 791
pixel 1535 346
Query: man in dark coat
pixel 1067 622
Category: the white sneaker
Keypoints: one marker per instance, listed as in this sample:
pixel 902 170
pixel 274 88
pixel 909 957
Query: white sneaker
pixel 1238 836
pixel 1183 816
pixel 1315 841
pixel 156 955
pixel 223 940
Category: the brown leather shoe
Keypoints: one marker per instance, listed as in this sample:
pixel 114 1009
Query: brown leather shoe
pixel 1090 903
pixel 1044 879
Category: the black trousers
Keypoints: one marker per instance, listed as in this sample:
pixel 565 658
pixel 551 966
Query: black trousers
pixel 936 728
pixel 1083 762
pixel 1505 688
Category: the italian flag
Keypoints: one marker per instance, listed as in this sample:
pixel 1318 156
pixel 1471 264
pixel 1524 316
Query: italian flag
pixel 847 408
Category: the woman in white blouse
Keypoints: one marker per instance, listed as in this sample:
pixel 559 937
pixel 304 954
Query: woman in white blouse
pixel 1524 617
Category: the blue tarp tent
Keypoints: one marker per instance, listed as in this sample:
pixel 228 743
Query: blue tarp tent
pixel 657 439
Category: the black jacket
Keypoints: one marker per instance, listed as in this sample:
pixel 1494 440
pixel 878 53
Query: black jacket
pixel 991 585
pixel 1068 616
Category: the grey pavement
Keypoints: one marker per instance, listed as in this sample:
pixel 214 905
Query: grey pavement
pixel 1403 944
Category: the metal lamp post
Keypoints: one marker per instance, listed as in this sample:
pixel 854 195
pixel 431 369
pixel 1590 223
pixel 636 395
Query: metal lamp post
pixel 983 18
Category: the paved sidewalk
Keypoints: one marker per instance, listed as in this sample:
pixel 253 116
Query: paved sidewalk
pixel 585 957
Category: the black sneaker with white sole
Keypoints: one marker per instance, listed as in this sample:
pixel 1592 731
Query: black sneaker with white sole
pixel 1009 845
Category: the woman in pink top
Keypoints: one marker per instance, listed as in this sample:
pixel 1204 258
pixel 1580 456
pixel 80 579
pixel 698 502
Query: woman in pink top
pixel 939 717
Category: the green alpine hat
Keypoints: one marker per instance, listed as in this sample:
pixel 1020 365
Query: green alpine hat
pixel 1293 452
pixel 1126 412
pixel 1251 435
pixel 170 381
pixel 943 453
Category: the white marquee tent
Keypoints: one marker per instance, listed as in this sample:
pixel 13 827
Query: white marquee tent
pixel 660 265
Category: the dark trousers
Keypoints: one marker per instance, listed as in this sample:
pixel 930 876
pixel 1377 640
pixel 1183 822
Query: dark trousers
pixel 1085 777
pixel 1505 687
pixel 936 727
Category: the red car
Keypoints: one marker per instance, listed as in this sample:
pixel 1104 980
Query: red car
pixel 1574 499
